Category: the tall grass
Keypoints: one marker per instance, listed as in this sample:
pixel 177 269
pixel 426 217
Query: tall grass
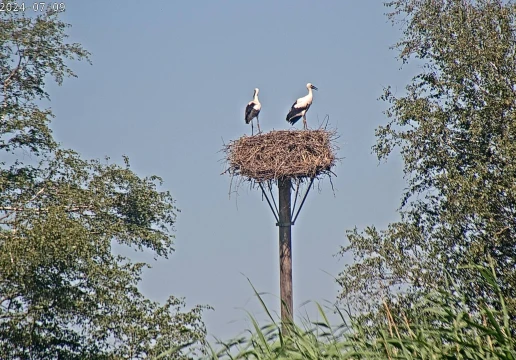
pixel 441 327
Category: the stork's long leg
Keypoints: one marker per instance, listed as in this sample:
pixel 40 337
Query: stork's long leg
pixel 252 128
pixel 258 123
pixel 304 122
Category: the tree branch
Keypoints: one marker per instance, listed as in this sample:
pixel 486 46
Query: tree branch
pixel 68 209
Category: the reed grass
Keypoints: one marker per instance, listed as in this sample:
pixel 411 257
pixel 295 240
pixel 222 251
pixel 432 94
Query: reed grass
pixel 444 328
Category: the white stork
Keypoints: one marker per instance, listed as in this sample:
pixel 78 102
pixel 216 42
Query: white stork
pixel 252 110
pixel 301 106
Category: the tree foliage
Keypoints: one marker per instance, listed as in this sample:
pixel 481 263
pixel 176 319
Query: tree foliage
pixel 63 292
pixel 455 127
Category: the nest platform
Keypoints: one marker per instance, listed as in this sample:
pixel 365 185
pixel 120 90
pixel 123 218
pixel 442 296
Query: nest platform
pixel 295 154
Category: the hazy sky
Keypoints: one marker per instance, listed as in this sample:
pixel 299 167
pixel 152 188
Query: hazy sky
pixel 168 86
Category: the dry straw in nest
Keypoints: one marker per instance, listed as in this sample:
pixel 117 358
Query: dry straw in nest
pixel 280 154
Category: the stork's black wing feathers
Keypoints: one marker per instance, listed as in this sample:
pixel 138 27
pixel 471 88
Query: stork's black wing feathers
pixel 250 112
pixel 294 119
pixel 291 114
pixel 294 114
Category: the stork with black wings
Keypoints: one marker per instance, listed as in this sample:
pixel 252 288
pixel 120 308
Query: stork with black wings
pixel 252 110
pixel 301 106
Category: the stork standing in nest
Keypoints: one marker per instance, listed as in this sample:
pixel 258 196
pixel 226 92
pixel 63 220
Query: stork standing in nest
pixel 301 106
pixel 252 110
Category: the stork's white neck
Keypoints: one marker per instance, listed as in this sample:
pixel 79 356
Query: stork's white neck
pixel 255 96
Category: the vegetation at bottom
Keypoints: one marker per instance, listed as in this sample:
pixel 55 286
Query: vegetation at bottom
pixel 439 326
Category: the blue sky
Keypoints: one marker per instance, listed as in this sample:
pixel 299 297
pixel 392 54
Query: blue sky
pixel 168 86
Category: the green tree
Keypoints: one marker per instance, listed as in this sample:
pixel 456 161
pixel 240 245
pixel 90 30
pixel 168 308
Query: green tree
pixel 64 294
pixel 455 127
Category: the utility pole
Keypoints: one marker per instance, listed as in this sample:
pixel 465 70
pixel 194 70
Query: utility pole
pixel 285 252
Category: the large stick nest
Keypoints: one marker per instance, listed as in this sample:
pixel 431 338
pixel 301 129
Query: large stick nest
pixel 297 154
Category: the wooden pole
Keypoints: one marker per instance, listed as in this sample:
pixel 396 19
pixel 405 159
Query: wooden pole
pixel 285 252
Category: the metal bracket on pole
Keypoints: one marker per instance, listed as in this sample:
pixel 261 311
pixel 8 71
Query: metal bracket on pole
pixel 274 211
pixel 302 202
pixel 295 196
pixel 269 184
